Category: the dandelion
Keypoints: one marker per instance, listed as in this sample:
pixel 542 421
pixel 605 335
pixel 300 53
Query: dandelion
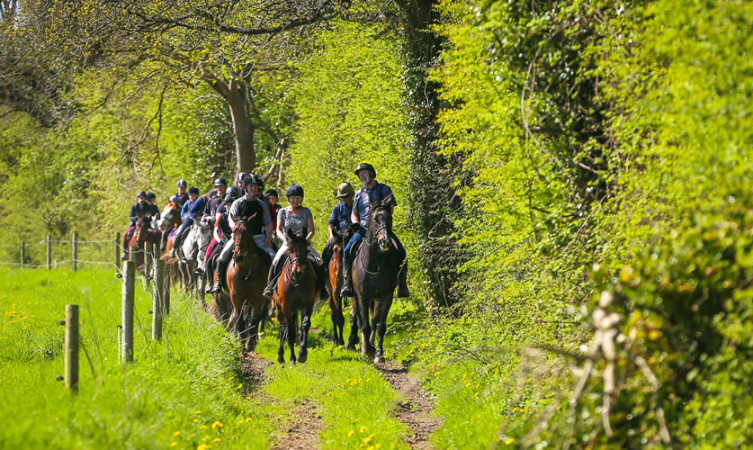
pixel 240 422
pixel 248 419
pixel 203 427
pixel 217 425
pixel 351 433
pixel 368 379
pixel 203 447
pixel 368 438
pixel 195 421
pixel 234 437
pixel 177 433
pixel 173 444
pixel 363 429
pixel 198 411
pixel 215 440
pixel 509 441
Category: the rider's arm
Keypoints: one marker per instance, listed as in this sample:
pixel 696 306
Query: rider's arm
pixel 331 229
pixel 280 223
pixel 217 228
pixel 312 230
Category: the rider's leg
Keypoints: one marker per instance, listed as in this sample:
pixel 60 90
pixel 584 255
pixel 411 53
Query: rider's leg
pixel 222 262
pixel 179 234
pixel 165 235
pixel 211 263
pixel 347 290
pixel 402 275
pixel 274 271
pixel 127 237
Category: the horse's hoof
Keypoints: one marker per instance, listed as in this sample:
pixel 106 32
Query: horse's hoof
pixel 379 360
pixel 292 364
pixel 302 358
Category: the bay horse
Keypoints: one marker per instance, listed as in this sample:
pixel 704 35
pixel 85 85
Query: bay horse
pixel 170 217
pixel 296 292
pixel 375 270
pixel 335 272
pixel 246 280
pixel 143 233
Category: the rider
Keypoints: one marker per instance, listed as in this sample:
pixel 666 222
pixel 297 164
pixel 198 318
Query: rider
pixel 372 191
pixel 239 181
pixel 139 209
pixel 151 199
pixel 192 210
pixel 339 219
pixel 220 233
pixel 270 197
pixel 243 209
pixel 294 217
pixel 182 195
pixel 216 200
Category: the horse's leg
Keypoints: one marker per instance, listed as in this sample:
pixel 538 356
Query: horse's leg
pixel 244 326
pixel 367 348
pixel 303 351
pixel 382 310
pixel 283 338
pixel 292 334
pixel 353 338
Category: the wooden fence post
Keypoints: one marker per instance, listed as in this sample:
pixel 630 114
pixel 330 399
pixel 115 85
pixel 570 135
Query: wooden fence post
pixel 129 275
pixel 23 253
pixel 132 253
pixel 74 251
pixel 71 347
pixel 148 260
pixel 166 296
pixel 49 252
pixel 117 250
pixel 157 303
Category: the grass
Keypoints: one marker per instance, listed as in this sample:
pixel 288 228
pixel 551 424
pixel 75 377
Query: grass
pixel 183 392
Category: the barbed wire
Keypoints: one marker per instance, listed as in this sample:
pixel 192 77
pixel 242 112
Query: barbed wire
pixel 54 264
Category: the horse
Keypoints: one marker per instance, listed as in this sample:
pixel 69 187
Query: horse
pixel 143 233
pixel 335 285
pixel 296 292
pixel 170 217
pixel 375 269
pixel 246 280
pixel 192 250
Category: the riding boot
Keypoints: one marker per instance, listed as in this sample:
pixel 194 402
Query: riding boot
pixel 221 273
pixel 124 257
pixel 402 281
pixel 347 290
pixel 274 274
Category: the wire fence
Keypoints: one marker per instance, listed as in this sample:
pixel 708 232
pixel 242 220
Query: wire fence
pixel 58 252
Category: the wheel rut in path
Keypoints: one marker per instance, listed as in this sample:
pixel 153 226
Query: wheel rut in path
pixel 415 410
pixel 302 431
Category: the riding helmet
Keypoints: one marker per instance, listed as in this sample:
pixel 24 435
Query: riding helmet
pixel 345 190
pixel 182 183
pixel 229 197
pixel 271 193
pixel 294 189
pixel 141 194
pixel 365 166
pixel 220 182
pixel 173 198
pixel 193 190
pixel 252 179
pixel 241 176
pixel 151 196
pixel 261 182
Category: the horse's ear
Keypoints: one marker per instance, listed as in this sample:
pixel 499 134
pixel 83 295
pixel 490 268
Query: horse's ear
pixel 290 233
pixel 389 200
pixel 304 232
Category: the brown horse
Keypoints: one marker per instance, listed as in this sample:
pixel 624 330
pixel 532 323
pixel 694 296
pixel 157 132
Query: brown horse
pixel 375 269
pixel 296 292
pixel 336 284
pixel 246 280
pixel 170 217
pixel 143 233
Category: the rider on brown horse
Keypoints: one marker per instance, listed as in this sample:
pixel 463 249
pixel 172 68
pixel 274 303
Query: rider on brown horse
pixel 372 191
pixel 139 209
pixel 247 208
pixel 339 220
pixel 295 218
pixel 181 197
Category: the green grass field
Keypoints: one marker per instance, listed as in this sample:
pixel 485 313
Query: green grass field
pixel 184 392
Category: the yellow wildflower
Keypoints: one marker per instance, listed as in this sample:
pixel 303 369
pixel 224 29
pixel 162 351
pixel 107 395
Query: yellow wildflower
pixel 240 422
pixel 203 447
pixel 217 424
pixel 509 441
pixel 215 440
pixel 173 444
pixel 198 411
pixel 177 433
pixel 195 421
pixel 368 438
pixel 351 432
pixel 363 429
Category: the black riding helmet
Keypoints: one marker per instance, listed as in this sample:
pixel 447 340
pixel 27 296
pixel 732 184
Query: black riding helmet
pixel 220 182
pixel 294 189
pixel 141 194
pixel 193 190
pixel 252 179
pixel 365 166
pixel 271 193
pixel 182 183
pixel 230 197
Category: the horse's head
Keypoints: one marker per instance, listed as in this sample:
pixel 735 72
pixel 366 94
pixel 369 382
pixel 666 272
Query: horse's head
pixel 170 216
pixel 298 251
pixel 243 239
pixel 380 223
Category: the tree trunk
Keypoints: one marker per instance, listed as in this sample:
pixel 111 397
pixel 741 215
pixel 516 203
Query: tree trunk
pixel 243 128
pixel 432 194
